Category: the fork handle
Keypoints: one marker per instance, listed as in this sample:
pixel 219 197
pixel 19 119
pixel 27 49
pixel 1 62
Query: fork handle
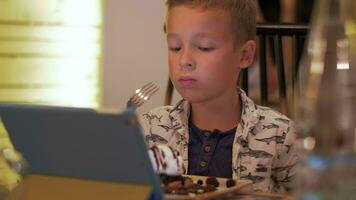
pixel 130 105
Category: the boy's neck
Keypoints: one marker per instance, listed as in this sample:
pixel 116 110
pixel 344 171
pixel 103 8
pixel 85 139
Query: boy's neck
pixel 223 113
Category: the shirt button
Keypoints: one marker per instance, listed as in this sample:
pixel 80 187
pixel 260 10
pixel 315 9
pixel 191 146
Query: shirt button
pixel 202 164
pixel 207 148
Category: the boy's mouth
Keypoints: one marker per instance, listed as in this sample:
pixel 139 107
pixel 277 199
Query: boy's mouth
pixel 187 81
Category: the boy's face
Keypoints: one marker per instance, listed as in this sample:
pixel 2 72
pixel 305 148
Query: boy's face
pixel 204 60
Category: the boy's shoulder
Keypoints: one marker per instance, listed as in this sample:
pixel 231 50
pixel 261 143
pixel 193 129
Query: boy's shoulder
pixel 273 122
pixel 182 107
pixel 158 113
pixel 268 114
pixel 265 117
pixel 165 114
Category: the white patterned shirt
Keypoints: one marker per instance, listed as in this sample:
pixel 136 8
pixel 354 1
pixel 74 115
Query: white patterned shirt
pixel 262 149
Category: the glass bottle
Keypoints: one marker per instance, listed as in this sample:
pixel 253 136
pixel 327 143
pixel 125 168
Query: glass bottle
pixel 327 104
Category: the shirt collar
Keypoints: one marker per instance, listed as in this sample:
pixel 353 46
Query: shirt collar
pixel 249 114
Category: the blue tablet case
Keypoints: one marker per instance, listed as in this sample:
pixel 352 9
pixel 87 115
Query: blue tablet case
pixel 80 143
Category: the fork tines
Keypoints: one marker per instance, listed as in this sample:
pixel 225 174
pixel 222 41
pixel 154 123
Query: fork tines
pixel 143 94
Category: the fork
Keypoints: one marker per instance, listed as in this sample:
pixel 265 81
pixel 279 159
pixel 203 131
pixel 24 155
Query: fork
pixel 141 95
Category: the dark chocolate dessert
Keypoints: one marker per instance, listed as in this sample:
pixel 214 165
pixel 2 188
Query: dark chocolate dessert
pixel 185 185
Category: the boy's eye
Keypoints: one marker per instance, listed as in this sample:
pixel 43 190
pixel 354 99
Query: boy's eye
pixel 205 49
pixel 174 49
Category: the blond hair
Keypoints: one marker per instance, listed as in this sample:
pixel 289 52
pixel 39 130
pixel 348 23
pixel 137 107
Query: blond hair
pixel 242 14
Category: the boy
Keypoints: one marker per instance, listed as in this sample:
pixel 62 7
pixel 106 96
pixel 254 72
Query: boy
pixel 217 129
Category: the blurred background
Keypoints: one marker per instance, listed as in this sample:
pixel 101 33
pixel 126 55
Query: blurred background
pixel 96 53
pixel 93 53
pixel 86 53
pixel 83 53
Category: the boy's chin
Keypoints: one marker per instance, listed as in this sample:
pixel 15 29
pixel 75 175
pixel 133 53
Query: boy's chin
pixel 194 98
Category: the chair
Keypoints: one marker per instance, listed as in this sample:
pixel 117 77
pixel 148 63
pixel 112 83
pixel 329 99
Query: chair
pixel 265 31
pixel 275 32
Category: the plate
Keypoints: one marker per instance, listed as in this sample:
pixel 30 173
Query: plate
pixel 262 196
pixel 222 190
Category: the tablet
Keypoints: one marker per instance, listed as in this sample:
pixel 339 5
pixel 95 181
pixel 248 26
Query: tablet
pixel 80 143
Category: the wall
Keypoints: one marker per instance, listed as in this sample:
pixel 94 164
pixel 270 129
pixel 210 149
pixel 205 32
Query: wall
pixel 49 52
pixel 135 50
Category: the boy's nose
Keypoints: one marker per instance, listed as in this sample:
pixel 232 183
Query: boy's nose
pixel 186 61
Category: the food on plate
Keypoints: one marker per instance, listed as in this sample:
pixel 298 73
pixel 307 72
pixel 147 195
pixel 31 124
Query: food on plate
pixel 168 164
pixel 165 160
pixel 185 185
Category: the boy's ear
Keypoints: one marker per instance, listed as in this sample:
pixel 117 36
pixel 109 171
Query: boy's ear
pixel 247 50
